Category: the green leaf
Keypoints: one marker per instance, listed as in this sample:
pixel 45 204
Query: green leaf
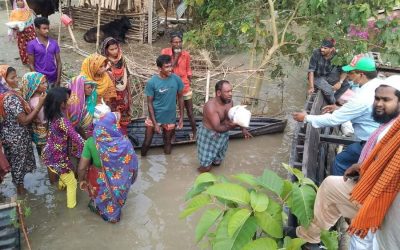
pixel 330 239
pixel 204 178
pixel 261 244
pixel 237 220
pixel 308 181
pixel 229 191
pixel 244 235
pixel 303 204
pixel 271 181
pixel 206 221
pixel 271 224
pixel 247 178
pixel 244 27
pixel 287 189
pixel 195 190
pixel 194 204
pixel 259 201
pixel 293 244
pixel 294 171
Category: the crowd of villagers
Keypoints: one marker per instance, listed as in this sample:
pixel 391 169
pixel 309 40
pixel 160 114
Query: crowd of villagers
pixel 86 119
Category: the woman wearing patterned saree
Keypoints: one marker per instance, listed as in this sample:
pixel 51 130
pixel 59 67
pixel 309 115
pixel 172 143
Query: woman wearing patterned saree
pixel 23 15
pixel 94 68
pixel 111 49
pixel 33 85
pixel 114 169
pixel 81 105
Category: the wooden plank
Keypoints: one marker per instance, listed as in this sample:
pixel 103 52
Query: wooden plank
pixel 337 139
pixel 150 22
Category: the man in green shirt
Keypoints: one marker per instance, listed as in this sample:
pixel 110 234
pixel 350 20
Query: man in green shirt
pixel 162 90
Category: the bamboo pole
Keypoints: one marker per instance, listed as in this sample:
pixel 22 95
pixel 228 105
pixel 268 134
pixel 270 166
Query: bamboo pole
pixel 98 27
pixel 59 28
pixel 8 11
pixel 208 85
pixel 21 220
pixel 150 22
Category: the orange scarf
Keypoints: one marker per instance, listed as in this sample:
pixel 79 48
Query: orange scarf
pixel 22 15
pixel 104 87
pixel 379 183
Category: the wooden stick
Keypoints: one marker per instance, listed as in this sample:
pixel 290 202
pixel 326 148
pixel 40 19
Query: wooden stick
pixel 150 22
pixel 208 85
pixel 21 219
pixel 8 12
pixel 98 27
pixel 59 28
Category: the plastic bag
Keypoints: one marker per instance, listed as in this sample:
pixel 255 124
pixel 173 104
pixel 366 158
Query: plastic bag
pixel 240 115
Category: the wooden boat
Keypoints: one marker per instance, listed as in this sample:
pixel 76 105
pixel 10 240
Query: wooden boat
pixel 258 126
pixel 9 234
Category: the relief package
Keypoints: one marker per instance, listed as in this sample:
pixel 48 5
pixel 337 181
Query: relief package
pixel 240 115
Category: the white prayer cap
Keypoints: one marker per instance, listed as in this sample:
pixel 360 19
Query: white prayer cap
pixel 392 81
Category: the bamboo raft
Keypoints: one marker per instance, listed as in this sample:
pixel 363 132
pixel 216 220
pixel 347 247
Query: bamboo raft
pixel 258 126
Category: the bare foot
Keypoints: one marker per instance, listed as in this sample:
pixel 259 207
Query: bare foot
pixel 21 190
pixel 202 169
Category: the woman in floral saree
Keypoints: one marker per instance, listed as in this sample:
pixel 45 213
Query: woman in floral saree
pixel 114 168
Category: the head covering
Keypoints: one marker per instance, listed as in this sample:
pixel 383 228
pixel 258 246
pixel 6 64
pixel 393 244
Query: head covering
pixel 30 83
pixel 100 110
pixel 80 105
pixel 362 63
pixel 176 34
pixel 104 51
pixel 90 66
pixel 23 14
pixel 3 74
pixel 328 43
pixel 119 165
pixel 392 81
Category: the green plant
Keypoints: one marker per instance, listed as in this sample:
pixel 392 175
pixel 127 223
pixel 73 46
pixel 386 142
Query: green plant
pixel 246 212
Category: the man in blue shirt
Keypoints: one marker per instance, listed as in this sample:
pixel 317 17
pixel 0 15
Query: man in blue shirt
pixel 358 110
pixel 162 91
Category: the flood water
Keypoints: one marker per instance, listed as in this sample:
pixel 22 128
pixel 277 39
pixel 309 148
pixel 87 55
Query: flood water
pixel 150 218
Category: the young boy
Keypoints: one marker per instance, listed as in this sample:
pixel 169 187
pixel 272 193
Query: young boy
pixel 44 53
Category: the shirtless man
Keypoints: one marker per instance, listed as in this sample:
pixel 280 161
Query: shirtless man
pixel 213 133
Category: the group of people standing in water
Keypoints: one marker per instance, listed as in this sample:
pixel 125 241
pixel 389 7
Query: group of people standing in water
pixel 85 120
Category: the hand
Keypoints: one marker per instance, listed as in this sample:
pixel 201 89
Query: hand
pixel 329 108
pixel 42 97
pixel 337 86
pixel 83 186
pixel 157 128
pixel 246 134
pixel 180 123
pixel 299 116
pixel 352 171
pixel 310 90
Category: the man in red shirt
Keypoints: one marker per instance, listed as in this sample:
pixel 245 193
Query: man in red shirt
pixel 181 67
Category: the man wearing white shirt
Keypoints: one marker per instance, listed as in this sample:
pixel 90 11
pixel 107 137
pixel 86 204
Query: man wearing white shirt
pixel 358 110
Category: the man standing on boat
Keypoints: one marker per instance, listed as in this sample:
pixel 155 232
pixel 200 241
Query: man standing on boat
pixel 323 75
pixel 213 133
pixel 358 110
pixel 181 67
pixel 162 91
pixel 368 192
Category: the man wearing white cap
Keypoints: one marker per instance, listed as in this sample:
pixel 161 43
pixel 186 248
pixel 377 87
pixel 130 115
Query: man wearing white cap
pixel 367 199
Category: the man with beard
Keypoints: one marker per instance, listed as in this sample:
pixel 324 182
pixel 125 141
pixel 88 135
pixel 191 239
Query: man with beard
pixel 163 90
pixel 181 67
pixel 213 133
pixel 367 190
pixel 325 76
pixel 358 110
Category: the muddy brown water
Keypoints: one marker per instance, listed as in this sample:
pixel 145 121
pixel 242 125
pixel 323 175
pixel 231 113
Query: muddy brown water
pixel 150 218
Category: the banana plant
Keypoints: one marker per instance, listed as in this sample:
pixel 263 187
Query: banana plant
pixel 247 212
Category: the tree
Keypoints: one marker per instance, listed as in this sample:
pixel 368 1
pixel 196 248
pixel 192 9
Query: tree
pixel 269 29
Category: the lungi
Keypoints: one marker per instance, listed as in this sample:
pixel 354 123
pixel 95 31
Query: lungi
pixel 211 145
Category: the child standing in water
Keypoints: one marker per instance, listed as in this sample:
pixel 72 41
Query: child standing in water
pixel 55 153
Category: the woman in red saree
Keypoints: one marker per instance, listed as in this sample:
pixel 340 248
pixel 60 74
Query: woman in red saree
pixel 111 49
